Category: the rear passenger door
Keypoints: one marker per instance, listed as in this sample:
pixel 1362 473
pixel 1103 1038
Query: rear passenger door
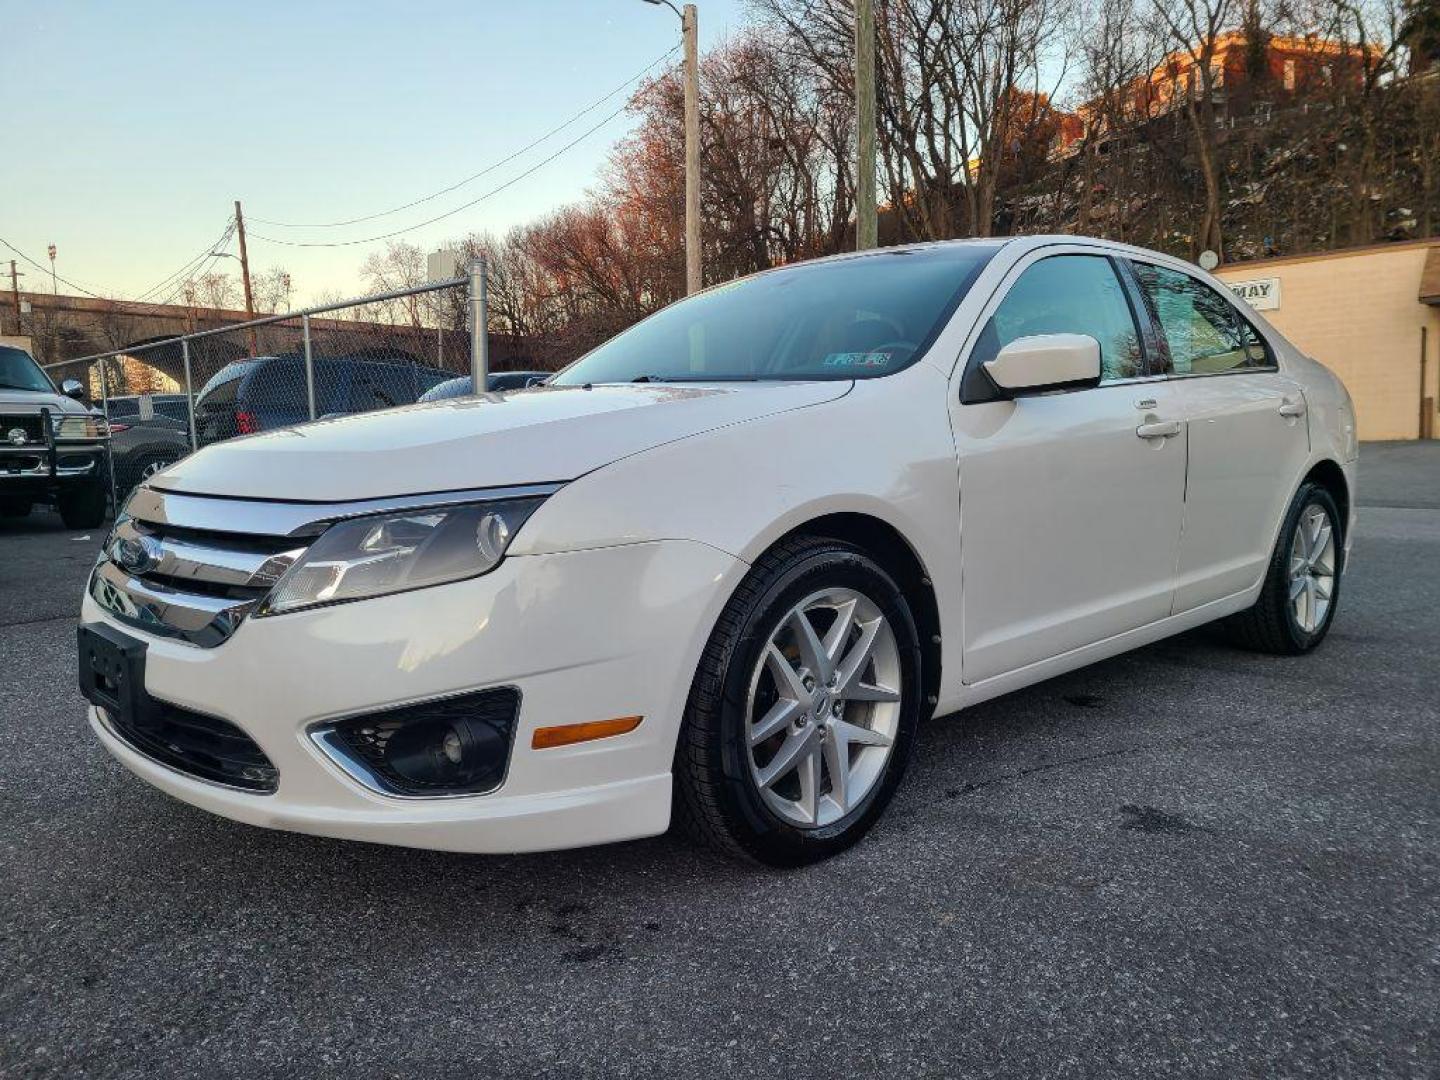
pixel 1248 435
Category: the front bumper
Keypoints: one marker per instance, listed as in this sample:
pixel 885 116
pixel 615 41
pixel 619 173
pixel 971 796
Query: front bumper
pixel 586 635
pixel 50 467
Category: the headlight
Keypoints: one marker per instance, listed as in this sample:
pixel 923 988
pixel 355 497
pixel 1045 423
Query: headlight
pixel 81 428
pixel 390 553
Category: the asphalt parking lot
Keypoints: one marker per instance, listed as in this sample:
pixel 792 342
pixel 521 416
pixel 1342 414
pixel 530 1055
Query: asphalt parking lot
pixel 1188 861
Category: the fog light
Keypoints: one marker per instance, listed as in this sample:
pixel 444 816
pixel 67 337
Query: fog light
pixel 448 746
pixel 452 755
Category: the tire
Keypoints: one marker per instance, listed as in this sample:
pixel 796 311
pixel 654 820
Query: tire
pixel 82 508
pixel 721 800
pixel 15 508
pixel 145 466
pixel 1274 625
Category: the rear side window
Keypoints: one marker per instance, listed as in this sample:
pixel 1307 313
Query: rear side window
pixel 1201 332
pixel 1069 294
pixel 175 410
pixel 223 391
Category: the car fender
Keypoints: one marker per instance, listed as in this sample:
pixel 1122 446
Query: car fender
pixel 883 450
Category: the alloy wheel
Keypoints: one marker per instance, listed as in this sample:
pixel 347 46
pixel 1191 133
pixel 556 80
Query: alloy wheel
pixel 824 707
pixel 153 467
pixel 1312 568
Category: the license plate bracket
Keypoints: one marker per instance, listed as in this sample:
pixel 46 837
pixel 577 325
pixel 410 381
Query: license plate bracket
pixel 112 673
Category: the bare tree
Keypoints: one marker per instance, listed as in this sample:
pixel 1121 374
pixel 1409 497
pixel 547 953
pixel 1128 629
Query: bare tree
pixel 1193 29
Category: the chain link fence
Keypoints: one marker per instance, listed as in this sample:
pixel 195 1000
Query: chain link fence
pixel 165 399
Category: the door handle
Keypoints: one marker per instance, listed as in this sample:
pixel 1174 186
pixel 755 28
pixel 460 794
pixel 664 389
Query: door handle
pixel 1292 408
pixel 1159 429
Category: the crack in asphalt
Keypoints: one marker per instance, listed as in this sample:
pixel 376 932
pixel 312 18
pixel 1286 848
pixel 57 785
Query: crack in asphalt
pixel 1126 751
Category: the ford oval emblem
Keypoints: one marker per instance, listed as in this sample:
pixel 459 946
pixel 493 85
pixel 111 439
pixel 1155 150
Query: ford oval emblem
pixel 136 555
pixel 17 436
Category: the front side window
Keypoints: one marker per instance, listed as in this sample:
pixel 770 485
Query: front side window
pixel 1068 294
pixel 1201 331
pixel 848 319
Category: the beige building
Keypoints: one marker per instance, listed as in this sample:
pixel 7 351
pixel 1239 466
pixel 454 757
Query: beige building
pixel 1371 315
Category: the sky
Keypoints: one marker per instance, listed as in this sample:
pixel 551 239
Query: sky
pixel 131 128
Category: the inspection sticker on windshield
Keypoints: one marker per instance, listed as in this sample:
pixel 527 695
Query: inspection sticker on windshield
pixel 857 359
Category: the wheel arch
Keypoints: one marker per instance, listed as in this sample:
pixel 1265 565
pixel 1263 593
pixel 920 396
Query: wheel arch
pixel 1329 475
pixel 890 548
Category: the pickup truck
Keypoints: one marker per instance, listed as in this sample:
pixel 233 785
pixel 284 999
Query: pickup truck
pixel 52 448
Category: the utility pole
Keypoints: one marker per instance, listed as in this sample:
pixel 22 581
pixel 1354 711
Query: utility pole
pixel 867 226
pixel 245 273
pixel 694 275
pixel 54 289
pixel 15 292
pixel 690 31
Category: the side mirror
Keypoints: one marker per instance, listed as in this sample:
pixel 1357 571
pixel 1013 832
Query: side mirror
pixel 73 388
pixel 1030 365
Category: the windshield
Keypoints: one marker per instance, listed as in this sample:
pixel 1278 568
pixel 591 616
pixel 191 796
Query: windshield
pixel 19 372
pixel 846 319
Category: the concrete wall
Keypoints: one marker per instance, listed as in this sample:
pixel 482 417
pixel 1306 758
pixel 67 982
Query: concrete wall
pixel 1358 312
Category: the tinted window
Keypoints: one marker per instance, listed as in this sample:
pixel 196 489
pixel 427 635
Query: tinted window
pixel 1202 332
pixel 19 372
pixel 225 384
pixel 175 410
pixel 1069 294
pixel 848 319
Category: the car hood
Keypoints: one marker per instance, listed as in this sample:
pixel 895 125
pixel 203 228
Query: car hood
pixel 544 434
pixel 30 401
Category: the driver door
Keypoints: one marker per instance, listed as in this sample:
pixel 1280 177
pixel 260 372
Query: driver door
pixel 1070 501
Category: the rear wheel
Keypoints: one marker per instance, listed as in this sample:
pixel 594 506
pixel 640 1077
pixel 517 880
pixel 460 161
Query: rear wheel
pixel 1302 585
pixel 82 508
pixel 803 710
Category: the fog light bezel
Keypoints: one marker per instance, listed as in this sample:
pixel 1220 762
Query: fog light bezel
pixel 332 740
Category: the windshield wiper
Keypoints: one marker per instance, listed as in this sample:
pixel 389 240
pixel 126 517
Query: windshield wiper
pixel 649 378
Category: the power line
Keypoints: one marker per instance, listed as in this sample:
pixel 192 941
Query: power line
pixel 483 172
pixel 449 213
pixel 197 262
pixel 47 270
pixel 207 265
pixel 215 244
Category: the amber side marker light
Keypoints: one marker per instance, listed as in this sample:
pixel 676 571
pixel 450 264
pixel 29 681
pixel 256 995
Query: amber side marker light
pixel 547 738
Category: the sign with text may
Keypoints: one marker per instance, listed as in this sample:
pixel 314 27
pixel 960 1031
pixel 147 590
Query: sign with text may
pixel 1262 294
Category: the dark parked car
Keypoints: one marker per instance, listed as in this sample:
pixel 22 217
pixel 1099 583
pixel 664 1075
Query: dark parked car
pixel 496 380
pixel 270 392
pixel 148 433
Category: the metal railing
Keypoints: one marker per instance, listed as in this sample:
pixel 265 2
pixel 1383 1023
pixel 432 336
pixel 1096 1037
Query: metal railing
pixel 167 397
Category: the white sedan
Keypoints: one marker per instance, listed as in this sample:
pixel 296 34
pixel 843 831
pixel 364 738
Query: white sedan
pixel 719 569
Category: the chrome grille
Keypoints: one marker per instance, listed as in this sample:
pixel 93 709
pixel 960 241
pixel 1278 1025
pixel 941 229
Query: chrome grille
pixel 193 567
pixel 190 584
pixel 31 425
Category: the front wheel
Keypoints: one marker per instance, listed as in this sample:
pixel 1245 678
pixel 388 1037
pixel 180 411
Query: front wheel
pixel 82 508
pixel 803 709
pixel 1302 584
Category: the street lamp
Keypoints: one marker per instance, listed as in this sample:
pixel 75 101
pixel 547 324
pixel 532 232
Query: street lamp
pixel 689 24
pixel 54 289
